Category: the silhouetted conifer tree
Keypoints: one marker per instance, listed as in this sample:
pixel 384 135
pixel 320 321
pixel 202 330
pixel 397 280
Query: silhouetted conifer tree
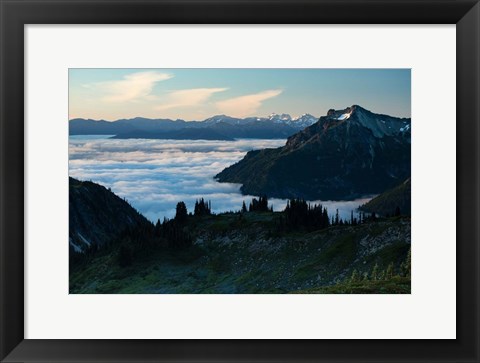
pixel 202 208
pixel 259 205
pixel 244 207
pixel 181 212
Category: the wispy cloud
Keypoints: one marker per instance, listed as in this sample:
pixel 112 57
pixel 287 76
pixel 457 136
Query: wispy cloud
pixel 246 105
pixel 132 87
pixel 187 98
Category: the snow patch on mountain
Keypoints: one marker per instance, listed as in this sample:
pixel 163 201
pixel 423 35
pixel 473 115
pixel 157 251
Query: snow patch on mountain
pixel 344 116
pixel 280 119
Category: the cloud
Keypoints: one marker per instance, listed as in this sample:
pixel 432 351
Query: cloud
pixel 132 87
pixel 154 175
pixel 247 105
pixel 187 98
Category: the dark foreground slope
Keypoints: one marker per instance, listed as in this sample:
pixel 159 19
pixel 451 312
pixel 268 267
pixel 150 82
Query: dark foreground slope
pixel 245 253
pixel 346 154
pixel 97 216
pixel 392 202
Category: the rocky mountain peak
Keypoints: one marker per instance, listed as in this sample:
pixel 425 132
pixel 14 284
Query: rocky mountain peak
pixel 346 154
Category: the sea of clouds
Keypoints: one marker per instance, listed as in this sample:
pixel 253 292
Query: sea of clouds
pixel 154 175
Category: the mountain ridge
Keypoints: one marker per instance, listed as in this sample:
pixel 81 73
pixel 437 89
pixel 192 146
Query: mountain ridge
pixel 347 154
pixel 97 216
pixel 219 127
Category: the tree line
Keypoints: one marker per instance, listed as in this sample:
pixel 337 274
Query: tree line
pixel 174 234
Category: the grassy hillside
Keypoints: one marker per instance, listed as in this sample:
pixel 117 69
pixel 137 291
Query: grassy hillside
pixel 248 253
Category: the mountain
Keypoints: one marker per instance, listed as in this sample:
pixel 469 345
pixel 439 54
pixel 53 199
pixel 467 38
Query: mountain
pixel 216 131
pixel 280 119
pixel 299 122
pixel 80 126
pixel 304 120
pixel 220 127
pixel 182 134
pixel 388 202
pixel 228 120
pixel 97 216
pixel 345 155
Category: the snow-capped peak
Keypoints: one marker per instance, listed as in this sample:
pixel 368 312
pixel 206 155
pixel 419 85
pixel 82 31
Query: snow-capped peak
pixel 304 120
pixel 280 118
pixel 380 125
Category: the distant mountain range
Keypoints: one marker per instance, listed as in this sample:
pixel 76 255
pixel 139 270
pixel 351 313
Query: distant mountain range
pixel 218 127
pixel 347 154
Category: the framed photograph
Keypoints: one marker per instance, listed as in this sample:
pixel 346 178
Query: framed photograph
pixel 239 181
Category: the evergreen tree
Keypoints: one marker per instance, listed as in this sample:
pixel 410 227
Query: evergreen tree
pixel 389 273
pixel 375 273
pixel 355 276
pixel 325 219
pixel 259 205
pixel 244 207
pixel 382 275
pixel 202 208
pixel 158 228
pixel 181 212
pixel 406 266
pixel 397 211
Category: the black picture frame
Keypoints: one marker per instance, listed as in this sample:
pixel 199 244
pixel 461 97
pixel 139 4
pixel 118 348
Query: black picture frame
pixel 17 13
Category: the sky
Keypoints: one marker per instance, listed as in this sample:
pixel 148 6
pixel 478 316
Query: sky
pixel 196 94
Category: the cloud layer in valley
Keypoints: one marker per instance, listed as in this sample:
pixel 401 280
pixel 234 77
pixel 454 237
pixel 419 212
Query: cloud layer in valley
pixel 153 175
